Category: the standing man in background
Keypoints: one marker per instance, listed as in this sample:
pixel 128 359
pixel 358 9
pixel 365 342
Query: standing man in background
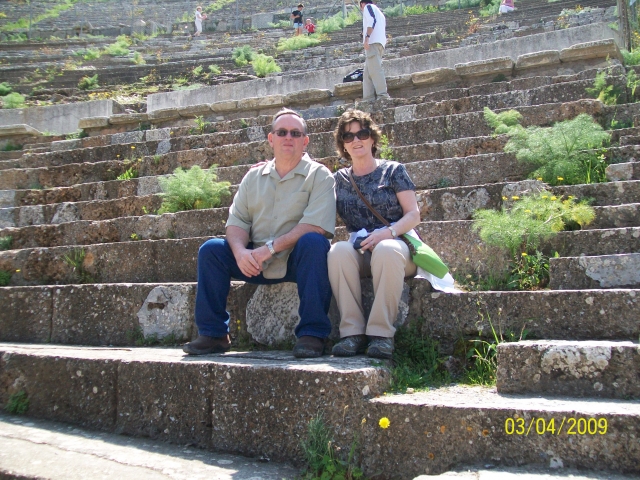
pixel 296 16
pixel 374 37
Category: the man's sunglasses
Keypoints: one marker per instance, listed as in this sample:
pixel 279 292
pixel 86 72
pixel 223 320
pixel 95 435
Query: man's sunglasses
pixel 348 137
pixel 282 132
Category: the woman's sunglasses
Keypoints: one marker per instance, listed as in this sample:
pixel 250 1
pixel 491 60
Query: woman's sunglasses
pixel 348 137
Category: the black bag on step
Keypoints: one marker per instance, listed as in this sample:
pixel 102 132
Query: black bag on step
pixel 355 76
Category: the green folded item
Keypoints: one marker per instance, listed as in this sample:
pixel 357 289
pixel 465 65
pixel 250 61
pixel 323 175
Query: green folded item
pixel 425 258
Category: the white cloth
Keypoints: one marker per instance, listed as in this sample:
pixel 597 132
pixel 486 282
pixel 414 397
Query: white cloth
pixel 505 9
pixel 377 22
pixel 445 284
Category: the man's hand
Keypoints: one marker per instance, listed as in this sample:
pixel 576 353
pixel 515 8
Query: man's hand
pixel 247 263
pixel 366 44
pixel 261 254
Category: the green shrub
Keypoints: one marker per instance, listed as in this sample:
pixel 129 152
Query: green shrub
pixel 322 456
pixel 281 24
pixel 241 56
pixel 337 22
pixel 197 71
pixel 88 83
pixel 420 9
pixel 532 219
pixel 89 54
pixel 601 90
pixel 192 189
pixel 299 42
pixel 13 100
pixel 10 147
pixel 5 89
pixel 5 278
pixel 75 260
pixel 18 403
pixel 6 243
pixel 396 11
pixel 492 8
pixel 416 360
pixel 385 151
pixel 138 59
pixel 129 174
pixel 631 58
pixel 120 48
pixel 563 153
pixel 214 70
pixel 464 4
pixel 264 65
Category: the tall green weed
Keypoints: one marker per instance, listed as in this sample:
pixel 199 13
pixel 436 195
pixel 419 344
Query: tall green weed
pixel 13 100
pixel 242 56
pixel 264 65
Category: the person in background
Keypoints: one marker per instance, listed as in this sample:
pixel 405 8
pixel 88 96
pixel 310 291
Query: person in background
pixel 296 16
pixel 309 27
pixel 373 249
pixel 506 6
pixel 199 18
pixel 374 84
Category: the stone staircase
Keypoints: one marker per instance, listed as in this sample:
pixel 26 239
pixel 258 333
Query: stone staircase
pixel 95 273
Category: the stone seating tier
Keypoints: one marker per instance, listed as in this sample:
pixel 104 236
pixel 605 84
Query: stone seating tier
pixel 259 403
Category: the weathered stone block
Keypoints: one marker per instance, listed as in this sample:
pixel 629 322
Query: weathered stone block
pixel 604 271
pixel 224 106
pixel 399 81
pixel 309 96
pixel 347 89
pixel 537 59
pixel 22 129
pixel 435 76
pixel 66 145
pixel 65 389
pixel 93 315
pixel 261 102
pixel 93 122
pixel 127 137
pixel 623 171
pixel 157 134
pixel 599 369
pixel 493 66
pixel 588 50
pixel 167 310
pixel 194 110
pixel 26 314
pixel 127 118
pixel 164 114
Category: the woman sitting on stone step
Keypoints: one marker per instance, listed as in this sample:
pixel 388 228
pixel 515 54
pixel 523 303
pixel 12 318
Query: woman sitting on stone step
pixel 373 249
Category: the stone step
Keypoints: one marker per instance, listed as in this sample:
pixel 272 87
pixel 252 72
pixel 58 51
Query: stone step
pixel 547 472
pixel 113 314
pixel 601 271
pixel 44 450
pixel 429 432
pixel 595 368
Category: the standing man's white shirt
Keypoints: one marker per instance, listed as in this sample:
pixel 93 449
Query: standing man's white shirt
pixel 373 17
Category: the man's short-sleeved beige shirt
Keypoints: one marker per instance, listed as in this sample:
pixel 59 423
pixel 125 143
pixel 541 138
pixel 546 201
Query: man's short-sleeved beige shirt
pixel 267 206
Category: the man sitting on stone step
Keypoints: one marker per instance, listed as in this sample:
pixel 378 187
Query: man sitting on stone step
pixel 278 230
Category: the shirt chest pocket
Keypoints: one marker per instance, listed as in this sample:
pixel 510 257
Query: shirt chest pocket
pixel 292 206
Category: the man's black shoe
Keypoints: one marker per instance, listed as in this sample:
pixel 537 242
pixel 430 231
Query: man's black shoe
pixel 308 347
pixel 203 345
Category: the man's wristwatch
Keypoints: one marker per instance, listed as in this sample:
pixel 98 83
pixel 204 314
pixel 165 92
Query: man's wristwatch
pixel 367 36
pixel 394 234
pixel 269 245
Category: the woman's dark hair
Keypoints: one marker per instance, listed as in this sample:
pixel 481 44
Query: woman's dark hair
pixel 365 121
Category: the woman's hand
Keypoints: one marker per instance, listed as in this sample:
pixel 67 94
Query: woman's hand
pixel 375 238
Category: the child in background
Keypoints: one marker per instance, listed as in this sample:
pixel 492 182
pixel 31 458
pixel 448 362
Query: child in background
pixel 309 27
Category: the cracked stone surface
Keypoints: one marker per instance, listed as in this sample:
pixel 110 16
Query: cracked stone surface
pixel 167 310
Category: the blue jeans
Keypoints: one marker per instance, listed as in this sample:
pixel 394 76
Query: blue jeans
pixel 307 266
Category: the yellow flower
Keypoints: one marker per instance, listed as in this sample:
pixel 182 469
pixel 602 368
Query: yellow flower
pixel 364 420
pixel 133 147
pixel 17 270
pixel 524 254
pixel 515 197
pixel 384 422
pixel 560 179
pixel 539 178
pixel 527 211
pixel 554 198
pixel 570 197
pixel 504 198
pixel 545 196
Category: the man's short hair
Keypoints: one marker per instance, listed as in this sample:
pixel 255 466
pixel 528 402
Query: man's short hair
pixel 288 111
pixel 366 1
pixel 300 5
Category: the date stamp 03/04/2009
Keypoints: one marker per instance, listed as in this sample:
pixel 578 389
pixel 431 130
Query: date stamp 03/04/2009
pixel 566 425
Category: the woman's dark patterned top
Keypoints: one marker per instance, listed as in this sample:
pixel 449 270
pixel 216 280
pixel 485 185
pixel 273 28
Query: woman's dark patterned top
pixel 379 188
